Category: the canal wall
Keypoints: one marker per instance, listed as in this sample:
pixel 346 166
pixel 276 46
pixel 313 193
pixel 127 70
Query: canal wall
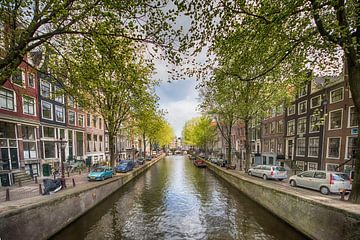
pixel 41 217
pixel 315 216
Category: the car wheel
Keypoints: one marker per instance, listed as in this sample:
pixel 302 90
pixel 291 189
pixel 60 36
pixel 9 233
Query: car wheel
pixel 324 190
pixel 249 172
pixel 265 177
pixel 102 178
pixel 293 183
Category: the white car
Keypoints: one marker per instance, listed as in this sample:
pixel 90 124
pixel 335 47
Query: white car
pixel 323 181
pixel 268 172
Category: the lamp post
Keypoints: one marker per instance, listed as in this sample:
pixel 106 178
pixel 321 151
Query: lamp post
pixel 62 146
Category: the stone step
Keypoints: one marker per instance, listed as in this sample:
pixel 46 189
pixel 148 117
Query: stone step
pixel 22 176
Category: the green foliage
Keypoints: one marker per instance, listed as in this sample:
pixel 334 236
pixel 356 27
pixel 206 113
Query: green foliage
pixel 199 132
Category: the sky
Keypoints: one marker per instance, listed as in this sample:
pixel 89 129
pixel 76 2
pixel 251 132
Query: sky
pixel 179 98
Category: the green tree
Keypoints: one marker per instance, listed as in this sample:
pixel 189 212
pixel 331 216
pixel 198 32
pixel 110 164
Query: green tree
pixel 108 76
pixel 26 25
pixel 199 132
pixel 296 32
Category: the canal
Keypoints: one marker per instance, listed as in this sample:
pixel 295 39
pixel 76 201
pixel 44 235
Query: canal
pixel 176 200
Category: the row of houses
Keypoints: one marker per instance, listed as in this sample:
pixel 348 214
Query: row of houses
pixel 318 130
pixel 33 120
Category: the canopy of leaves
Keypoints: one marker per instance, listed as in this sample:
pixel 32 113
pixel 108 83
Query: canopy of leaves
pixel 199 132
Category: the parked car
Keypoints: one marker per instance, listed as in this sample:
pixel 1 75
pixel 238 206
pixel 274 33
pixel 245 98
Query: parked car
pixel 100 173
pixel 214 160
pixel 141 161
pixel 148 158
pixel 125 166
pixel 325 182
pixel 268 172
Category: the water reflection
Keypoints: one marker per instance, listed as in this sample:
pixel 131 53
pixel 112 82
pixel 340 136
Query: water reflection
pixel 175 200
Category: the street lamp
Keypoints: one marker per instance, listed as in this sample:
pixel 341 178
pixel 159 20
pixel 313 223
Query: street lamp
pixel 62 146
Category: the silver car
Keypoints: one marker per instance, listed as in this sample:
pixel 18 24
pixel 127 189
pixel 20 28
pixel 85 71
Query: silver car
pixel 268 172
pixel 325 182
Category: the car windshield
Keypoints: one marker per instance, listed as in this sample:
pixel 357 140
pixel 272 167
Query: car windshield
pixel 281 169
pixel 341 176
pixel 123 163
pixel 99 170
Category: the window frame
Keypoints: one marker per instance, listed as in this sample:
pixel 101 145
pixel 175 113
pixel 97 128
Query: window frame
pixel 42 81
pixel 349 111
pixel 287 127
pixel 297 147
pixel 6 99
pixel 328 147
pixel 342 93
pixel 51 110
pixel 341 123
pixel 308 166
pixel 310 123
pixel 290 107
pixel 297 125
pixel 34 105
pixel 300 113
pixel 33 80
pixel 72 124
pixel 63 111
pixel 311 101
pixel 347 146
pixel 309 152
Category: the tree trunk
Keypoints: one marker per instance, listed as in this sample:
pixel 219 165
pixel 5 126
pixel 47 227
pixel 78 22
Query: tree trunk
pixel 144 141
pixel 247 146
pixel 229 143
pixel 353 68
pixel 112 149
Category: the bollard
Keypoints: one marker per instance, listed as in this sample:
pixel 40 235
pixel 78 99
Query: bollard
pixel 73 180
pixel 40 189
pixel 54 176
pixel 79 172
pixel 68 173
pixel 20 184
pixel 36 181
pixel 342 194
pixel 7 198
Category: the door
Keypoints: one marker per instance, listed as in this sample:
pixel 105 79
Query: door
pixel 319 180
pixel 306 179
pixel 290 148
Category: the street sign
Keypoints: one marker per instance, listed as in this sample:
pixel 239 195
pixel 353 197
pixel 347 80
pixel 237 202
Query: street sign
pixel 354 131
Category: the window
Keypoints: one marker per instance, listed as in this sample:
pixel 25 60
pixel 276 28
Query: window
pixel 28 105
pixel 106 143
pixel 48 132
pixel 314 123
pixel 336 95
pixel 300 165
pixel 80 143
pixel 88 138
pixel 45 88
pixel 88 120
pixel 7 130
pixel 72 118
pixel 352 118
pixel 303 91
pixel 331 167
pixel 100 123
pixel 18 77
pixel 280 110
pixel 49 149
pixel 70 144
pixel 313 147
pixel 266 128
pixel 101 142
pixel 315 101
pixel 320 175
pixel 300 147
pixel 335 119
pixel 280 147
pixel 272 127
pixel 334 147
pixel 46 109
pixel 351 147
pixel 291 127
pixel 302 107
pixel 313 166
pixel 81 120
pixel 291 110
pixel 59 114
pixel 280 126
pixel 7 99
pixel 301 126
pixel 59 96
pixel 94 121
pixel 62 133
pixel 8 144
pixel 29 142
pixel 71 102
pixel 31 80
pixel 95 143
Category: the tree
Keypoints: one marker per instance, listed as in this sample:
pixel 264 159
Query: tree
pixel 199 132
pixel 108 76
pixel 315 32
pixel 27 25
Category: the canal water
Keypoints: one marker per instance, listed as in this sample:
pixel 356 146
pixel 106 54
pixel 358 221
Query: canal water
pixel 176 200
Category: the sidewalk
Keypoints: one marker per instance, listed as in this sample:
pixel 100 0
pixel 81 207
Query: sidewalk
pixel 31 189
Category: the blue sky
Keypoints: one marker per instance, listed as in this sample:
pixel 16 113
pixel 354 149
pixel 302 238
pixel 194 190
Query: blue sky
pixel 179 98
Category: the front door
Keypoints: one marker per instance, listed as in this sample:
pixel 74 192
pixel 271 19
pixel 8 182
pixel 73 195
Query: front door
pixel 290 149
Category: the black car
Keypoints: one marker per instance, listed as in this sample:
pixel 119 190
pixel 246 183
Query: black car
pixel 148 158
pixel 141 161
